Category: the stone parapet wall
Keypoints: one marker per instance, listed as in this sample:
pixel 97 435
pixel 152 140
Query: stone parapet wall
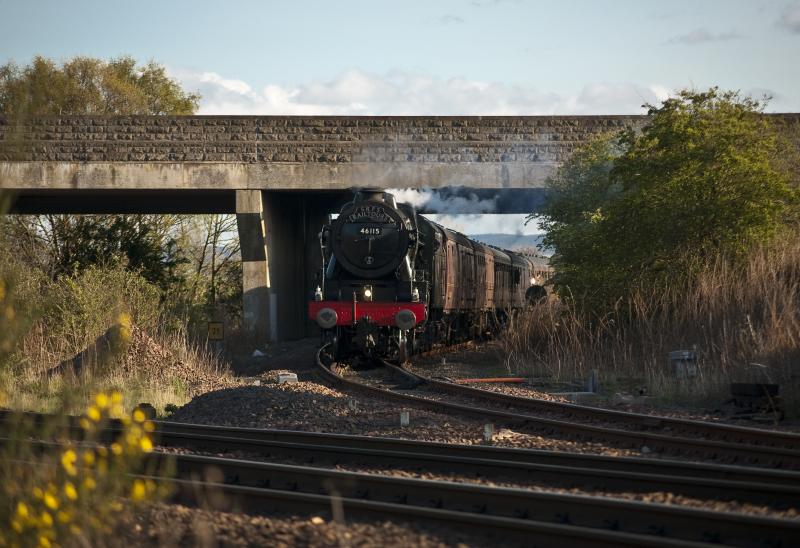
pixel 302 139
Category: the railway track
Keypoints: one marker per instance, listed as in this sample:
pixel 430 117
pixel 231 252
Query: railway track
pixel 507 515
pixel 776 488
pixel 358 491
pixel 772 454
pixel 640 421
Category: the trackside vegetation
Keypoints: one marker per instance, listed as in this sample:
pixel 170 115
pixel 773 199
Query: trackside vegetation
pixel 706 176
pixel 682 234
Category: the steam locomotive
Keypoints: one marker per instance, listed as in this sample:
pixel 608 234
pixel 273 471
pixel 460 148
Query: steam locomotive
pixel 394 283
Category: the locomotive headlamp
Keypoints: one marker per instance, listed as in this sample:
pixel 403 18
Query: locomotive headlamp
pixel 368 293
pixel 415 295
pixel 318 294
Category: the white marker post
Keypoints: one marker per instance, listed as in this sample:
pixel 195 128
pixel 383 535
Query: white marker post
pixel 488 433
pixel 404 418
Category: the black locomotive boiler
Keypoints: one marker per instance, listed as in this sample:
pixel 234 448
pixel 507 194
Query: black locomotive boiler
pixel 393 282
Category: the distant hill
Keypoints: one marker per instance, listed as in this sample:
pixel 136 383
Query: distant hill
pixel 514 242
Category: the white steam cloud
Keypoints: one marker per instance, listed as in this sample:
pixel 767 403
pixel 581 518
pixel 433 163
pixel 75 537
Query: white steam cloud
pixel 433 200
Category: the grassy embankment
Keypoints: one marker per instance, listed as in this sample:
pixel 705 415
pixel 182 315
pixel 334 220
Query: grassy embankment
pixel 111 321
pixel 744 323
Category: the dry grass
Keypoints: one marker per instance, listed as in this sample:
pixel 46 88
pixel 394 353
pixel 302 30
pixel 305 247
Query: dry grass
pixel 162 370
pixel 79 317
pixel 744 323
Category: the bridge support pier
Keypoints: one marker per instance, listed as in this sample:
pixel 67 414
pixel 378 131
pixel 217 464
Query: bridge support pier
pixel 280 260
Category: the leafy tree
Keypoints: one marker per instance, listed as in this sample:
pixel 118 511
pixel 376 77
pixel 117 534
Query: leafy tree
pixel 86 85
pixel 63 244
pixel 706 175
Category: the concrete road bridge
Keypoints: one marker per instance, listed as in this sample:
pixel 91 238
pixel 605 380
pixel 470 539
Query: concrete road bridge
pixel 281 175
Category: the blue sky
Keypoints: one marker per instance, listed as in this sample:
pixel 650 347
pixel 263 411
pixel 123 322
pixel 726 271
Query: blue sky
pixel 429 57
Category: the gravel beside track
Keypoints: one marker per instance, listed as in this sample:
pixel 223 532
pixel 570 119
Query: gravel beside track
pixel 313 406
pixel 176 525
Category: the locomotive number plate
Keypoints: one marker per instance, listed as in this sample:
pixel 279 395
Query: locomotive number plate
pixel 370 231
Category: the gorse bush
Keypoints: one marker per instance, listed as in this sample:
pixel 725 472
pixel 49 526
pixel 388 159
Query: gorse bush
pixel 74 494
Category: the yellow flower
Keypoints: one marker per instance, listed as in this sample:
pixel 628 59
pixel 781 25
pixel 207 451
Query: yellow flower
pixel 146 444
pixel 88 458
pixel 85 424
pixel 68 461
pixel 117 411
pixel 50 501
pixel 102 451
pixel 22 510
pixel 139 416
pixel 70 491
pixel 16 526
pixel 149 426
pixel 47 519
pixel 74 529
pixel 89 484
pixel 64 517
pixel 101 400
pixel 37 492
pixel 116 448
pixel 93 413
pixel 44 542
pixel 138 491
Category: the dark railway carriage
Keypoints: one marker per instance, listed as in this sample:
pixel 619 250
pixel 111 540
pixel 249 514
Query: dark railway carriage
pixel 393 281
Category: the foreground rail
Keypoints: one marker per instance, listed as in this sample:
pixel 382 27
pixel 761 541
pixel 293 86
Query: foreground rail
pixel 507 515
pixel 775 488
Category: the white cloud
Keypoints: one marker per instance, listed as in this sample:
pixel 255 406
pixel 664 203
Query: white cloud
pixel 790 18
pixel 703 35
pixel 449 19
pixel 355 92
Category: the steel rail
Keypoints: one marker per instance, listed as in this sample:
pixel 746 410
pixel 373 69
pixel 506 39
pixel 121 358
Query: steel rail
pixel 721 432
pixel 257 487
pixel 502 530
pixel 236 486
pixel 768 456
pixel 176 433
pixel 775 488
pixel 642 518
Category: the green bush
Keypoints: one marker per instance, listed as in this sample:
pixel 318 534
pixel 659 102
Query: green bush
pixel 707 175
pixel 82 308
